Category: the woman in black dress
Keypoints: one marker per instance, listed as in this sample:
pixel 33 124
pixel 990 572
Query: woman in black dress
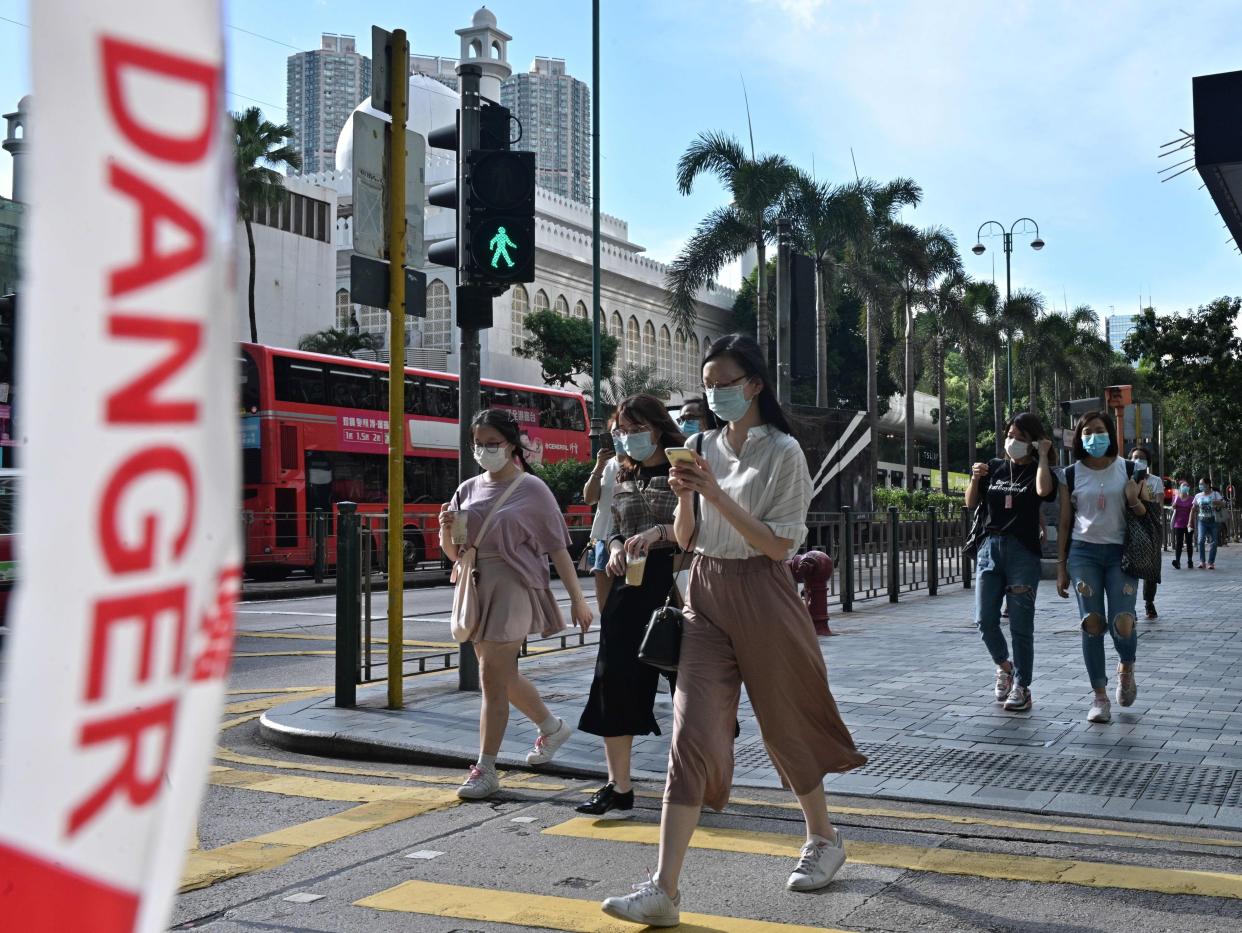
pixel 623 692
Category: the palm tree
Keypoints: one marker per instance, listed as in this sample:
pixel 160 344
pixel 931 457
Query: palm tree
pixel 337 342
pixel 634 379
pixel 867 274
pixel 258 145
pixel 1007 320
pixel 918 259
pixel 756 186
pixel 954 322
pixel 980 344
pixel 827 221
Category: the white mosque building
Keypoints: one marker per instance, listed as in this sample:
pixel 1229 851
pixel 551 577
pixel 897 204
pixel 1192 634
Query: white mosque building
pixel 633 297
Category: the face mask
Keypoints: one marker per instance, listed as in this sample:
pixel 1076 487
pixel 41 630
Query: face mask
pixel 639 445
pixel 1203 487
pixel 492 460
pixel 1016 449
pixel 1185 490
pixel 1096 444
pixel 729 404
pixel 1140 466
pixel 689 426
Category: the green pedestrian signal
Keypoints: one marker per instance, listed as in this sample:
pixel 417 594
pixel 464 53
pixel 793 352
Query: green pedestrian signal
pixel 500 245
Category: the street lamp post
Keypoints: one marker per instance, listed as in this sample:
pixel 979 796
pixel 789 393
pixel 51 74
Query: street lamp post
pixel 978 249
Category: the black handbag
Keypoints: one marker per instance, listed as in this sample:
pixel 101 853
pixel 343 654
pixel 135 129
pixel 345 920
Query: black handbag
pixel 661 644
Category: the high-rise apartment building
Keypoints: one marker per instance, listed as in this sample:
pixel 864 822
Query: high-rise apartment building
pixel 1118 327
pixel 324 86
pixel 438 67
pixel 555 112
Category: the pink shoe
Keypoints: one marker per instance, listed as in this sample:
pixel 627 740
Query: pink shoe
pixel 1211 566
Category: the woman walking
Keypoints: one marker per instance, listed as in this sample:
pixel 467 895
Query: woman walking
pixel 1183 505
pixel 598 492
pixel 744 624
pixel 1203 519
pixel 1141 458
pixel 623 692
pixel 515 596
pixel 1014 490
pixel 1098 490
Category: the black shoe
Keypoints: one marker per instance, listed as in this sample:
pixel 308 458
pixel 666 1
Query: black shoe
pixel 1151 611
pixel 1177 564
pixel 607 804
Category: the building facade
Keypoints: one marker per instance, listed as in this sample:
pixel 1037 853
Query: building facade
pixel 554 110
pixel 323 88
pixel 1117 327
pixel 295 263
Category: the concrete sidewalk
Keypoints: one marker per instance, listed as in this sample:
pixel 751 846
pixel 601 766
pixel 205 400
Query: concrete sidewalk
pixel 914 683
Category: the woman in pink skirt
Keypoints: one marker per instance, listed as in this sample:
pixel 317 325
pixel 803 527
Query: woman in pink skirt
pixel 744 624
pixel 515 595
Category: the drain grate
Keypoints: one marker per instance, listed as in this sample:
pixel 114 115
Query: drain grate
pixel 1133 780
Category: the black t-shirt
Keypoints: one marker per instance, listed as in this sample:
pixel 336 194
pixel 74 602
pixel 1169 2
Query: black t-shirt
pixel 1013 504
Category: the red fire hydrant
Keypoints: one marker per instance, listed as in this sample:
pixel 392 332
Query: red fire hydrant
pixel 813 569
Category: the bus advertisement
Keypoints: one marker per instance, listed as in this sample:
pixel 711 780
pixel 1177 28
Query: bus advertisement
pixel 314 432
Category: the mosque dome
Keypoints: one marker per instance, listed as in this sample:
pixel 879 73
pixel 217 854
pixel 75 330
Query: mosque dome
pixel 485 17
pixel 432 105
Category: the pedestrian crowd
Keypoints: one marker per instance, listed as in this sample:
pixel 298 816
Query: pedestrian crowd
pixel 695 521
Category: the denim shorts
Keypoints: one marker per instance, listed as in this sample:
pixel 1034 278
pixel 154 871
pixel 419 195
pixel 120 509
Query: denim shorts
pixel 601 557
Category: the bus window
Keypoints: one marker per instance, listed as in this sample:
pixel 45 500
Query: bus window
pixel 562 413
pixel 415 404
pixel 299 381
pixel 441 398
pixel 353 388
pixel 248 384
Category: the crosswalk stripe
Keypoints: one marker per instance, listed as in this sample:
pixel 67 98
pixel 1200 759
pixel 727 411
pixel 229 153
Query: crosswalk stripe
pixel 943 861
pixel 542 911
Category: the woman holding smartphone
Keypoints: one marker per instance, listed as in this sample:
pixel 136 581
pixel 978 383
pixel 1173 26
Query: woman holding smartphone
pixel 641 552
pixel 744 624
pixel 515 595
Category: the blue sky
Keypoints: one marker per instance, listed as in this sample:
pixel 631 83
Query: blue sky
pixel 1054 110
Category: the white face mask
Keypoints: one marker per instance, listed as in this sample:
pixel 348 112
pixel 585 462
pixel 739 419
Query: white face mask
pixel 492 460
pixel 1016 449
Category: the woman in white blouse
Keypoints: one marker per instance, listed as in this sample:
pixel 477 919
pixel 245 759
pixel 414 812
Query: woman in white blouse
pixel 744 624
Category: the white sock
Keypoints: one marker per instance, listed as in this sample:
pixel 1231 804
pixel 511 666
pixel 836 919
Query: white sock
pixel 487 762
pixel 549 725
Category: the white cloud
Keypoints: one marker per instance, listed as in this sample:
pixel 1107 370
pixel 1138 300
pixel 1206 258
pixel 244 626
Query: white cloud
pixel 802 11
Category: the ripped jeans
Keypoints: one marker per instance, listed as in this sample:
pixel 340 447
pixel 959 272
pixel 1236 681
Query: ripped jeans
pixel 1007 568
pixel 1095 574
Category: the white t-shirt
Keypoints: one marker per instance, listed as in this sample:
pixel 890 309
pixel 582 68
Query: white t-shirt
pixel 1099 500
pixel 770 480
pixel 601 528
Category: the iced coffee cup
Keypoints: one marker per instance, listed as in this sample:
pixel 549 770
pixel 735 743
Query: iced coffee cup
pixel 634 568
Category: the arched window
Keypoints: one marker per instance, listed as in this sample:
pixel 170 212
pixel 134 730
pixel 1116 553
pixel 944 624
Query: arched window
pixel 438 328
pixel 633 342
pixel 679 358
pixel 664 354
pixel 616 328
pixel 517 320
pixel 562 306
pixel 649 351
pixel 541 300
pixel 342 309
pixel 580 311
pixel 692 362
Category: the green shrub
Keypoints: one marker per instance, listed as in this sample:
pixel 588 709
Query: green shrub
pixel 565 478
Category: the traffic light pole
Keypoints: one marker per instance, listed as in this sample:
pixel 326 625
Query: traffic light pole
pixel 469 375
pixel 399 71
pixel 597 405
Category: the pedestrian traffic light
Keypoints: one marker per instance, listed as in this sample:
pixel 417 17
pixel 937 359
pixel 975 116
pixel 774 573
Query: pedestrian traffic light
pixel 500 217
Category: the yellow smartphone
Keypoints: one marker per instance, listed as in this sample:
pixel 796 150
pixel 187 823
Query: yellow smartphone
pixel 679 455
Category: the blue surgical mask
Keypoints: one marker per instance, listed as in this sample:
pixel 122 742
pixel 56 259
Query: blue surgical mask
pixel 689 426
pixel 1096 444
pixel 1185 490
pixel 729 404
pixel 1203 487
pixel 639 445
pixel 1140 466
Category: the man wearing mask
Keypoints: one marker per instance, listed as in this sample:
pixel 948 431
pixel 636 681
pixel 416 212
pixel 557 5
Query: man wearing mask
pixel 694 417
pixel 1142 474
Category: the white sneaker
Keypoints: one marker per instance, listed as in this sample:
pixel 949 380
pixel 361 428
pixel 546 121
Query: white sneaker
pixel 480 783
pixel 1004 683
pixel 546 746
pixel 1101 711
pixel 1127 688
pixel 648 904
pixel 818 865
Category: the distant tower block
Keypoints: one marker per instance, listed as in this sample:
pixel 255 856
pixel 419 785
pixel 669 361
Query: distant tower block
pixel 15 144
pixel 484 44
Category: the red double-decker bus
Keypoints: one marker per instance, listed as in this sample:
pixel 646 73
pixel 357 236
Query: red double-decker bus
pixel 314 433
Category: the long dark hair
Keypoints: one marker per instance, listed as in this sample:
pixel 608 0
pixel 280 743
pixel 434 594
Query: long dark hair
pixel 648 410
pixel 1110 425
pixel 508 427
pixel 744 351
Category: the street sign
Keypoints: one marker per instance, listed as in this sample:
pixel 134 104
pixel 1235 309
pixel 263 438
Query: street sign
pixel 368 285
pixel 370 197
pixel 381 68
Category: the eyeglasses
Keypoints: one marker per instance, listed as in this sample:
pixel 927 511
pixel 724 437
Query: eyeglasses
pixel 490 448
pixel 620 434
pixel 726 385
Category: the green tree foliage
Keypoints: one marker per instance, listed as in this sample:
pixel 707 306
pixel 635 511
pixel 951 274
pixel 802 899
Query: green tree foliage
pixel 634 379
pixel 261 151
pixel 565 478
pixel 562 345
pixel 337 342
